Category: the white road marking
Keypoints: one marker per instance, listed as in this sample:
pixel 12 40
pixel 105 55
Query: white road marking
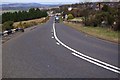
pixel 95 62
pixel 57 43
pixel 52 37
pixel 52 33
pixel 88 58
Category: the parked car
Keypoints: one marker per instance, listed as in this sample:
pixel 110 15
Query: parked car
pixel 5 33
pixel 19 29
pixel 13 30
pixel 9 32
pixel 16 29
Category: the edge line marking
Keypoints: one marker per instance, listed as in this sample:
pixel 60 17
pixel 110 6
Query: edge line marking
pixel 87 58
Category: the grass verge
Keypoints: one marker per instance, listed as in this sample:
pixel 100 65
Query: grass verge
pixel 29 23
pixel 102 33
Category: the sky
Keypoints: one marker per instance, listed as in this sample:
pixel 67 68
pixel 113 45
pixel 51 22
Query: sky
pixel 46 1
pixel 51 1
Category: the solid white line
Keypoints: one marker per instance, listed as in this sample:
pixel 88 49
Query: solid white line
pixel 95 63
pixel 88 58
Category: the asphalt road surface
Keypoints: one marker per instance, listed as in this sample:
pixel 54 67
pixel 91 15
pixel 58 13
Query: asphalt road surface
pixel 58 51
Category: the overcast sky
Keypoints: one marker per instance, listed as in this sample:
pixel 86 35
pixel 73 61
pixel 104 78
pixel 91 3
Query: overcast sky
pixel 52 1
pixel 46 1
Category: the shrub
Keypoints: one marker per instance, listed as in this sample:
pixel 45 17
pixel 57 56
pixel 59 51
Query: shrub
pixel 7 25
pixel 70 16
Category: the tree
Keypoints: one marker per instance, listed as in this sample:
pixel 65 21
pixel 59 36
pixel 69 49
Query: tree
pixel 85 15
pixel 24 15
pixel 105 8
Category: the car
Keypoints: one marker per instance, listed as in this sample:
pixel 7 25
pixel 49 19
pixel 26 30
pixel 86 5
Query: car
pixel 22 30
pixel 9 32
pixel 13 30
pixel 56 19
pixel 5 33
pixel 16 29
pixel 19 29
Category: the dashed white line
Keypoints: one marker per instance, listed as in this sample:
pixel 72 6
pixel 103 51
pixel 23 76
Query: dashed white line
pixel 57 43
pixel 52 37
pixel 87 58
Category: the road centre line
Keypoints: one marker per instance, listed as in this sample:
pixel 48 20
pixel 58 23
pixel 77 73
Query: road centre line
pixel 52 37
pixel 87 58
pixel 57 43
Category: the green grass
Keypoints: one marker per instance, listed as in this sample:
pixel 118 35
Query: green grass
pixel 78 19
pixel 103 33
pixel 61 20
pixel 29 23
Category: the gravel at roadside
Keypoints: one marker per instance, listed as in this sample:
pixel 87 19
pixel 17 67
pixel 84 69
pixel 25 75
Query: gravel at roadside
pixel 8 37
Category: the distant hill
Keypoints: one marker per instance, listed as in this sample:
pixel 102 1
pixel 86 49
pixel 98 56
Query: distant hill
pixel 24 6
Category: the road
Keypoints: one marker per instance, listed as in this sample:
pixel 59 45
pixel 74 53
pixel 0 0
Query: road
pixel 58 51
